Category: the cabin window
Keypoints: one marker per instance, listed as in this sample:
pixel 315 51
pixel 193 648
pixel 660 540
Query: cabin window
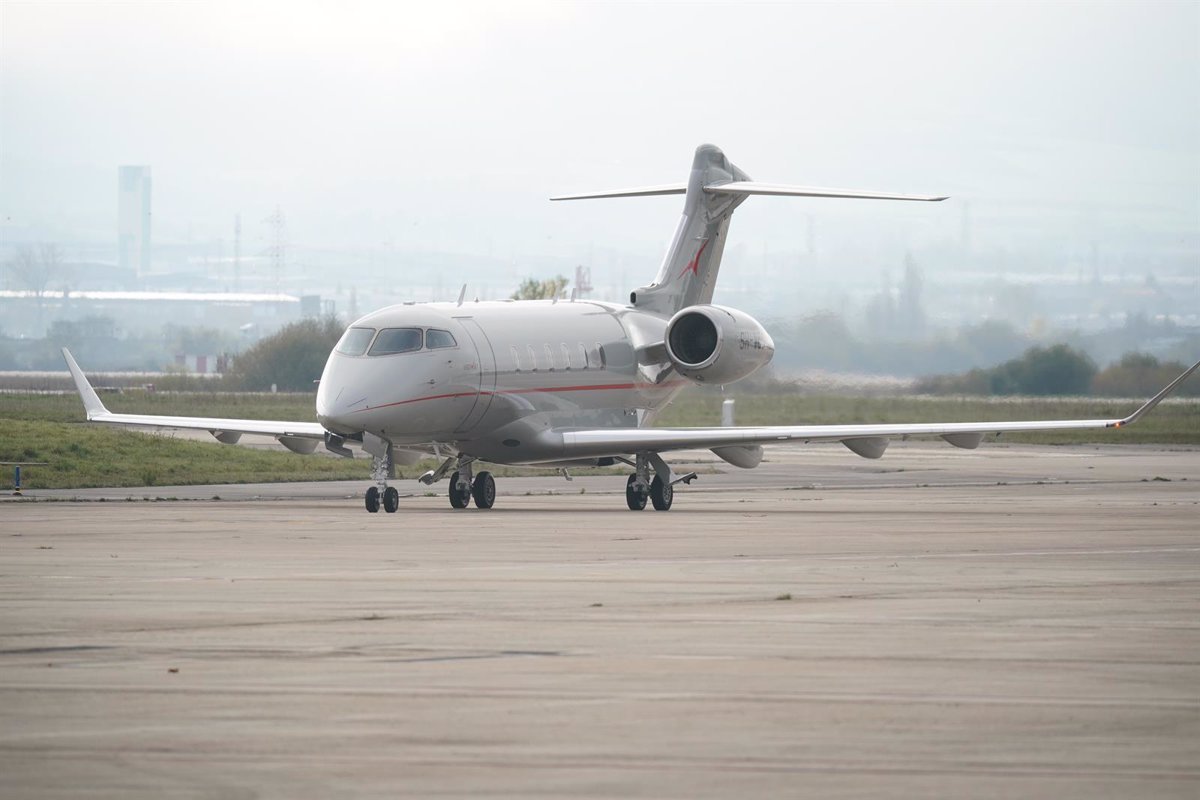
pixel 396 340
pixel 354 341
pixel 436 339
pixel 532 357
pixel 566 357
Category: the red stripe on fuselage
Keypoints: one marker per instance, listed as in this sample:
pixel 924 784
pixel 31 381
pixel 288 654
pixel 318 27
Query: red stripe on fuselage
pixel 599 387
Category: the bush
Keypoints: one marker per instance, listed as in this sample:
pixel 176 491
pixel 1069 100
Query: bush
pixel 1139 375
pixel 533 289
pixel 291 359
pixel 1055 370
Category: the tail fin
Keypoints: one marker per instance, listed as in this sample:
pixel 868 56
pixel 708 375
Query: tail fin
pixel 688 274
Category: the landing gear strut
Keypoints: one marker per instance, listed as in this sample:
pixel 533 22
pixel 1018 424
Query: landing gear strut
pixel 637 488
pixel 381 470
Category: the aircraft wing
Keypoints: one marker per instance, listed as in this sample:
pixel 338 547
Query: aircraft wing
pixel 301 437
pixel 866 440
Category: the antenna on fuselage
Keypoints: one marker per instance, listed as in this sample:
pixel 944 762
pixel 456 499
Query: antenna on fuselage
pixel 461 294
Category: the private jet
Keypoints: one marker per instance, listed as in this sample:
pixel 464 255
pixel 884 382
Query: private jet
pixel 566 382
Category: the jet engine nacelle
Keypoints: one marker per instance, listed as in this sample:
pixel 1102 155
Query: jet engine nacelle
pixel 715 344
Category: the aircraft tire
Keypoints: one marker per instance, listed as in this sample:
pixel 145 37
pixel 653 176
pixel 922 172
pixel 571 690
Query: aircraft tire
pixel 484 490
pixel 391 499
pixel 662 494
pixel 372 500
pixel 458 499
pixel 634 498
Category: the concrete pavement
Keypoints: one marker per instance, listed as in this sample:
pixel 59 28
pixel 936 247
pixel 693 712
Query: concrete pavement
pixel 1016 623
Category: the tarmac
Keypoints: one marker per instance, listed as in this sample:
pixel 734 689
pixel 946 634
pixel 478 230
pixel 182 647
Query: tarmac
pixel 1009 622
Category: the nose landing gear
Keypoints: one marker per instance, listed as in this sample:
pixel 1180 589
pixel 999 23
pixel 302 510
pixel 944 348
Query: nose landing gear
pixel 389 495
pixel 381 470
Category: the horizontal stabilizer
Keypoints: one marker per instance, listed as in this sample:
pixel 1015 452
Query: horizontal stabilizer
pixel 644 191
pixel 744 188
pixel 755 187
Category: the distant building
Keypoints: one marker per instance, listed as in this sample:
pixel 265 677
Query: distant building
pixel 143 312
pixel 201 364
pixel 133 219
pixel 313 306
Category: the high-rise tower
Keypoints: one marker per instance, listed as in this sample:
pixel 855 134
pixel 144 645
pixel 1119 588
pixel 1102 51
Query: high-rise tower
pixel 133 218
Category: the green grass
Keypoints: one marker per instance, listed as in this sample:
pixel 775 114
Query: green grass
pixel 81 455
pixel 298 407
pixel 50 428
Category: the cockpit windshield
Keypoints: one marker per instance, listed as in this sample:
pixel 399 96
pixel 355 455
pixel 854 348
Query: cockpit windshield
pixel 396 340
pixel 436 339
pixel 354 341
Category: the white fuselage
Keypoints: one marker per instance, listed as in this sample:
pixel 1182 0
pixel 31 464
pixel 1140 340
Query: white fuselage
pixel 515 371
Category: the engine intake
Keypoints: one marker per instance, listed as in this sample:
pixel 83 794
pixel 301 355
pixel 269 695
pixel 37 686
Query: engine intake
pixel 715 344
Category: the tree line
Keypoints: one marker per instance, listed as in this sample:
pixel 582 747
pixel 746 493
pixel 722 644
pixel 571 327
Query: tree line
pixel 1063 370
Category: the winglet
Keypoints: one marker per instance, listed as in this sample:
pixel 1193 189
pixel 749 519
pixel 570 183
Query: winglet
pixel 91 401
pixel 1153 401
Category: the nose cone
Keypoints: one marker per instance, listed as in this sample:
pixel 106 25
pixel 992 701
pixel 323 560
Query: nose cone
pixel 330 393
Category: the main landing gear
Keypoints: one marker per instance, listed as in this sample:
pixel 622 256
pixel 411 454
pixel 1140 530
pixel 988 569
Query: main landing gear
pixel 660 490
pixel 465 486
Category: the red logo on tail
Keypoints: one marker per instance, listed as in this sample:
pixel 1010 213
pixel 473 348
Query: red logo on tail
pixel 693 266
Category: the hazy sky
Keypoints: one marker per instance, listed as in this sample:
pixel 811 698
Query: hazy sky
pixel 446 125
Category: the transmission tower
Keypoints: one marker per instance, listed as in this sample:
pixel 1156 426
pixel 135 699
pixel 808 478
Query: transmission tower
pixel 583 281
pixel 278 249
pixel 237 250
